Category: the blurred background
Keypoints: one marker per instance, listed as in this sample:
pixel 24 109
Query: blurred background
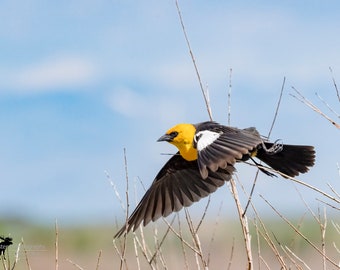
pixel 80 81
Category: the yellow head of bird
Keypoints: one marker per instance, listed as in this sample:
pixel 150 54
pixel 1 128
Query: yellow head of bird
pixel 182 136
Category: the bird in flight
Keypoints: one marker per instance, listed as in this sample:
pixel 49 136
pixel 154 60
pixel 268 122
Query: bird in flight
pixel 207 154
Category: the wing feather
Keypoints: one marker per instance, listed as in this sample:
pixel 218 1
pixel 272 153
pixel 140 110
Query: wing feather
pixel 177 185
pixel 227 145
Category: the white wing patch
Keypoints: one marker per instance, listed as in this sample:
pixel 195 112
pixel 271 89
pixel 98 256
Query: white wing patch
pixel 205 138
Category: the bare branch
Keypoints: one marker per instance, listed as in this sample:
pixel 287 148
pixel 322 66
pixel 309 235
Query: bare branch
pixel 206 99
pixel 56 245
pixel 305 101
pixel 229 97
pixel 244 225
pixel 277 107
pixel 327 105
pixel 98 260
pixel 334 83
pixel 74 264
pixel 299 233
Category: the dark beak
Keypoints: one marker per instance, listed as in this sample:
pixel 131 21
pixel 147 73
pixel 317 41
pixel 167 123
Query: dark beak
pixel 165 138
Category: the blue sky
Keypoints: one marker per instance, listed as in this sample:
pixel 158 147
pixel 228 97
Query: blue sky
pixel 82 80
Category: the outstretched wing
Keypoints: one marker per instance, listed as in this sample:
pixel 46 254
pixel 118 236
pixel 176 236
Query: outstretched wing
pixel 219 146
pixel 177 185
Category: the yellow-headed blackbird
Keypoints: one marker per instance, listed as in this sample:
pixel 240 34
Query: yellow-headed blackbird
pixel 205 161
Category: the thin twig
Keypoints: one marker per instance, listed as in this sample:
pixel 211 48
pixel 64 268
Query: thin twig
pixel 265 235
pixel 26 255
pixel 327 105
pixel 335 85
pixel 204 214
pixel 158 246
pixel 277 107
pixel 144 251
pixel 56 245
pixel 98 260
pixel 333 190
pixel 305 101
pixel 299 233
pixel 258 244
pixel 323 226
pixel 268 136
pixel 193 60
pixel 196 239
pixel 251 192
pixel 296 257
pixel 328 204
pixel 231 254
pixel 113 185
pixel 16 256
pixel 179 235
pixel 244 224
pixel 182 242
pixel 126 212
pixel 287 177
pixel 213 232
pixel 229 97
pixel 299 225
pixel 75 264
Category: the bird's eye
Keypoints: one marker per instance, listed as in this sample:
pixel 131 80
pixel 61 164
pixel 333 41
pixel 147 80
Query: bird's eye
pixel 173 134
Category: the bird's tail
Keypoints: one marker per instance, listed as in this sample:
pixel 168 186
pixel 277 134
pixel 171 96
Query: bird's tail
pixel 289 159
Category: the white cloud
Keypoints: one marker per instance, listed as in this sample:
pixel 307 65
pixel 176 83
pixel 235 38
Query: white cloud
pixel 160 109
pixel 57 72
pixel 127 102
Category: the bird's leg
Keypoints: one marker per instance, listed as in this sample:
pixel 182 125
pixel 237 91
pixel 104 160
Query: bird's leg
pixel 262 169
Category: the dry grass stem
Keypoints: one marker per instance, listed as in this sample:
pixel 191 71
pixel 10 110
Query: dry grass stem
pixel 263 232
pixel 159 244
pixel 196 240
pixel 323 226
pixel 333 190
pixel 98 259
pixel 26 255
pixel 213 232
pixel 180 237
pixel 244 225
pixel 231 256
pixel 290 252
pixel 186 262
pixel 258 243
pixel 268 136
pixel 136 253
pixel 327 105
pixel 204 214
pixel 114 187
pixel 337 228
pixel 305 101
pixel 16 255
pixel 287 177
pixel 144 251
pixel 277 107
pixel 299 233
pixel 124 243
pixel 204 92
pixel 229 96
pixel 251 193
pixel 335 85
pixel 328 204
pixel 56 245
pixel 75 265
